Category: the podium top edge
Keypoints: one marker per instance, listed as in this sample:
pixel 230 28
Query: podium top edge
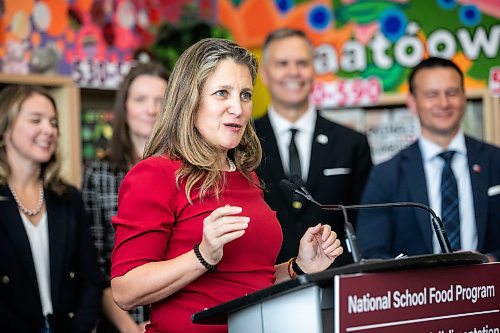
pixel 218 314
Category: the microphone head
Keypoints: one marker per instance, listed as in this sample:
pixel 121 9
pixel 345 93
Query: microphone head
pixel 287 186
pixel 297 181
pixel 289 189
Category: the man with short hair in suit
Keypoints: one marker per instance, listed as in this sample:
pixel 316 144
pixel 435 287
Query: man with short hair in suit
pixel 456 175
pixel 333 160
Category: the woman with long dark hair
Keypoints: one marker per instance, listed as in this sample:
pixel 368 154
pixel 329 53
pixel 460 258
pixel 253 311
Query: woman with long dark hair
pixel 137 103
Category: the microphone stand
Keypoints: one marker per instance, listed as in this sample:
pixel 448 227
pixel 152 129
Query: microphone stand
pixel 352 240
pixel 437 225
pixel 444 242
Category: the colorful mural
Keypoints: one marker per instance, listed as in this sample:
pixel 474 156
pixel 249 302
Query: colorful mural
pixel 363 47
pixel 95 41
pixel 366 47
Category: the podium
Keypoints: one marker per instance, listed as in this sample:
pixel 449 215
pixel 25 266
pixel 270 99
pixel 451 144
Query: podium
pixel 443 293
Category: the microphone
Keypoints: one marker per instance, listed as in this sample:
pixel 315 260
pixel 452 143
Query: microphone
pixel 297 182
pixel 297 185
pixel 437 225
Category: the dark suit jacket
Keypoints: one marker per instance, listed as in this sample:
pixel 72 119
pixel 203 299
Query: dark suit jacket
pixel 385 233
pixel 346 150
pixel 75 279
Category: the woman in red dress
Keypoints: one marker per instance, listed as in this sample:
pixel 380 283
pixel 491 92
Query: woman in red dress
pixel 193 229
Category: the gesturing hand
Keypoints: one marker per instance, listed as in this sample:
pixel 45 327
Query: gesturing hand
pixel 219 228
pixel 318 249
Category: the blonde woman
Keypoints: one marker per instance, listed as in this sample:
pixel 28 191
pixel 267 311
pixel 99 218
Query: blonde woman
pixel 192 229
pixel 49 276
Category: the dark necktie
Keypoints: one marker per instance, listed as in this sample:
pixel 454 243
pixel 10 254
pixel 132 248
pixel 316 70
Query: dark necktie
pixel 293 154
pixel 449 201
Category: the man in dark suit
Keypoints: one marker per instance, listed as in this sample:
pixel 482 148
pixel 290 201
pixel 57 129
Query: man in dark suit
pixel 443 161
pixel 333 160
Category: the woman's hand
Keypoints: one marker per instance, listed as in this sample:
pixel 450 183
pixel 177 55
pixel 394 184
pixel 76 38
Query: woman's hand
pixel 142 326
pixel 219 228
pixel 318 249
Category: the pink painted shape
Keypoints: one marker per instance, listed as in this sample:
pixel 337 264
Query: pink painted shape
pixel 364 33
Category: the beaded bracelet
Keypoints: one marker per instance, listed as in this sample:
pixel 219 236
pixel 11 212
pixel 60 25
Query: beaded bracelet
pixel 290 272
pixel 211 268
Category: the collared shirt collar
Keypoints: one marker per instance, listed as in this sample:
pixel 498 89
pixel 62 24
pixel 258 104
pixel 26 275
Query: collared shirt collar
pixel 304 124
pixel 430 150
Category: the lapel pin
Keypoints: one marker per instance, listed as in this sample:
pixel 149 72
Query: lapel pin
pixel 476 168
pixel 321 138
pixel 2 198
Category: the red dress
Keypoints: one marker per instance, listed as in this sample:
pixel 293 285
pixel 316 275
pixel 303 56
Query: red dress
pixel 155 222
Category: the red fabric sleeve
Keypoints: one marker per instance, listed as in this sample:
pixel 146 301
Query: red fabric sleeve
pixel 145 215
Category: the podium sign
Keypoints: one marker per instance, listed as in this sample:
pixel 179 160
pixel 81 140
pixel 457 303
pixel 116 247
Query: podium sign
pixel 432 293
pixel 438 300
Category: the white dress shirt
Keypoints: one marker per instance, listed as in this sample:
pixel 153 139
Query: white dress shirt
pixel 433 165
pixel 303 138
pixel 38 236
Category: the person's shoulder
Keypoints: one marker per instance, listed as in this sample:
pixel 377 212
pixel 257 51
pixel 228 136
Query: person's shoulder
pixel 71 190
pixel 482 146
pixel 154 167
pixel 398 158
pixel 261 121
pixel 69 193
pixel 150 177
pixel 340 129
pixel 159 161
pixel 95 165
pixel 101 166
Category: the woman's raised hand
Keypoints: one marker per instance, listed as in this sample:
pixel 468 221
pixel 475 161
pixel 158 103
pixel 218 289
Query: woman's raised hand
pixel 222 226
pixel 318 248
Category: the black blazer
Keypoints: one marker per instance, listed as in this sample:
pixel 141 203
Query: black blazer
pixel 75 279
pixel 338 170
pixel 385 233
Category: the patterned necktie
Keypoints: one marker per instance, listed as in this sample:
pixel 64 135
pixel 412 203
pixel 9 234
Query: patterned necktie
pixel 293 154
pixel 449 201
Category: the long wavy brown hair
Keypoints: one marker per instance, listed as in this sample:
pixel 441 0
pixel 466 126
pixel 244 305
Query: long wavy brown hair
pixel 175 134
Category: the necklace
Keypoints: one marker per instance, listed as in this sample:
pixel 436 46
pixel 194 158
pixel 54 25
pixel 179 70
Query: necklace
pixel 26 211
pixel 232 166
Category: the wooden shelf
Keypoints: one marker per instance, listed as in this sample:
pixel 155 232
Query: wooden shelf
pixel 36 79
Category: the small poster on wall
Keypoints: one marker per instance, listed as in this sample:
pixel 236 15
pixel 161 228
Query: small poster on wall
pixel 494 81
pixel 391 130
pixel 388 130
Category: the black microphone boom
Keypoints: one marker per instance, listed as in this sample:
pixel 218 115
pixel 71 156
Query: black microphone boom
pixel 296 185
pixel 437 225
